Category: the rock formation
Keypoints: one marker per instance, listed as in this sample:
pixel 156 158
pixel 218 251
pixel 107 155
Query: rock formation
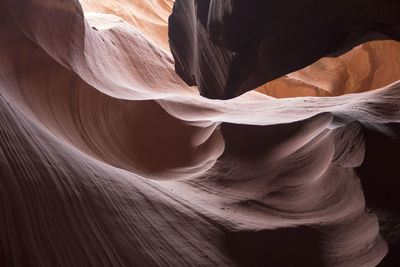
pixel 228 47
pixel 108 158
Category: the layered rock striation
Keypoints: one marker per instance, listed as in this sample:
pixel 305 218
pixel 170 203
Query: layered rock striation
pixel 108 158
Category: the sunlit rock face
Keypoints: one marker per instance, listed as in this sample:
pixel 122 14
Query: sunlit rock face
pixel 150 17
pixel 369 66
pixel 229 47
pixel 108 158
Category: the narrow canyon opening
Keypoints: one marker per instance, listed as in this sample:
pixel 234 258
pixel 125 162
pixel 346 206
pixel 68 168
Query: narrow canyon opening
pixel 366 67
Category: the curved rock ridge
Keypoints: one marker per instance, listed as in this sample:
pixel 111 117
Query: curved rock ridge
pixel 229 47
pixel 107 158
pixel 150 17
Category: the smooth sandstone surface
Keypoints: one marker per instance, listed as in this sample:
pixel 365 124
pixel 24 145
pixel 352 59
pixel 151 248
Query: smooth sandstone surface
pixel 108 158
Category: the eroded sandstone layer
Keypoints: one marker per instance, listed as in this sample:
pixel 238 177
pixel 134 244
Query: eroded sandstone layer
pixel 108 158
pixel 228 47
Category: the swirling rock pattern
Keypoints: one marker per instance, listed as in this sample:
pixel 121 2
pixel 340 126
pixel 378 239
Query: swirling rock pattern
pixel 107 158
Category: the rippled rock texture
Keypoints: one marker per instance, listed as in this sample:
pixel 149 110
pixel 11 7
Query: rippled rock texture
pixel 108 158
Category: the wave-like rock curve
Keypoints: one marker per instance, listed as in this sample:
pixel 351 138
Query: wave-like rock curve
pixel 109 159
